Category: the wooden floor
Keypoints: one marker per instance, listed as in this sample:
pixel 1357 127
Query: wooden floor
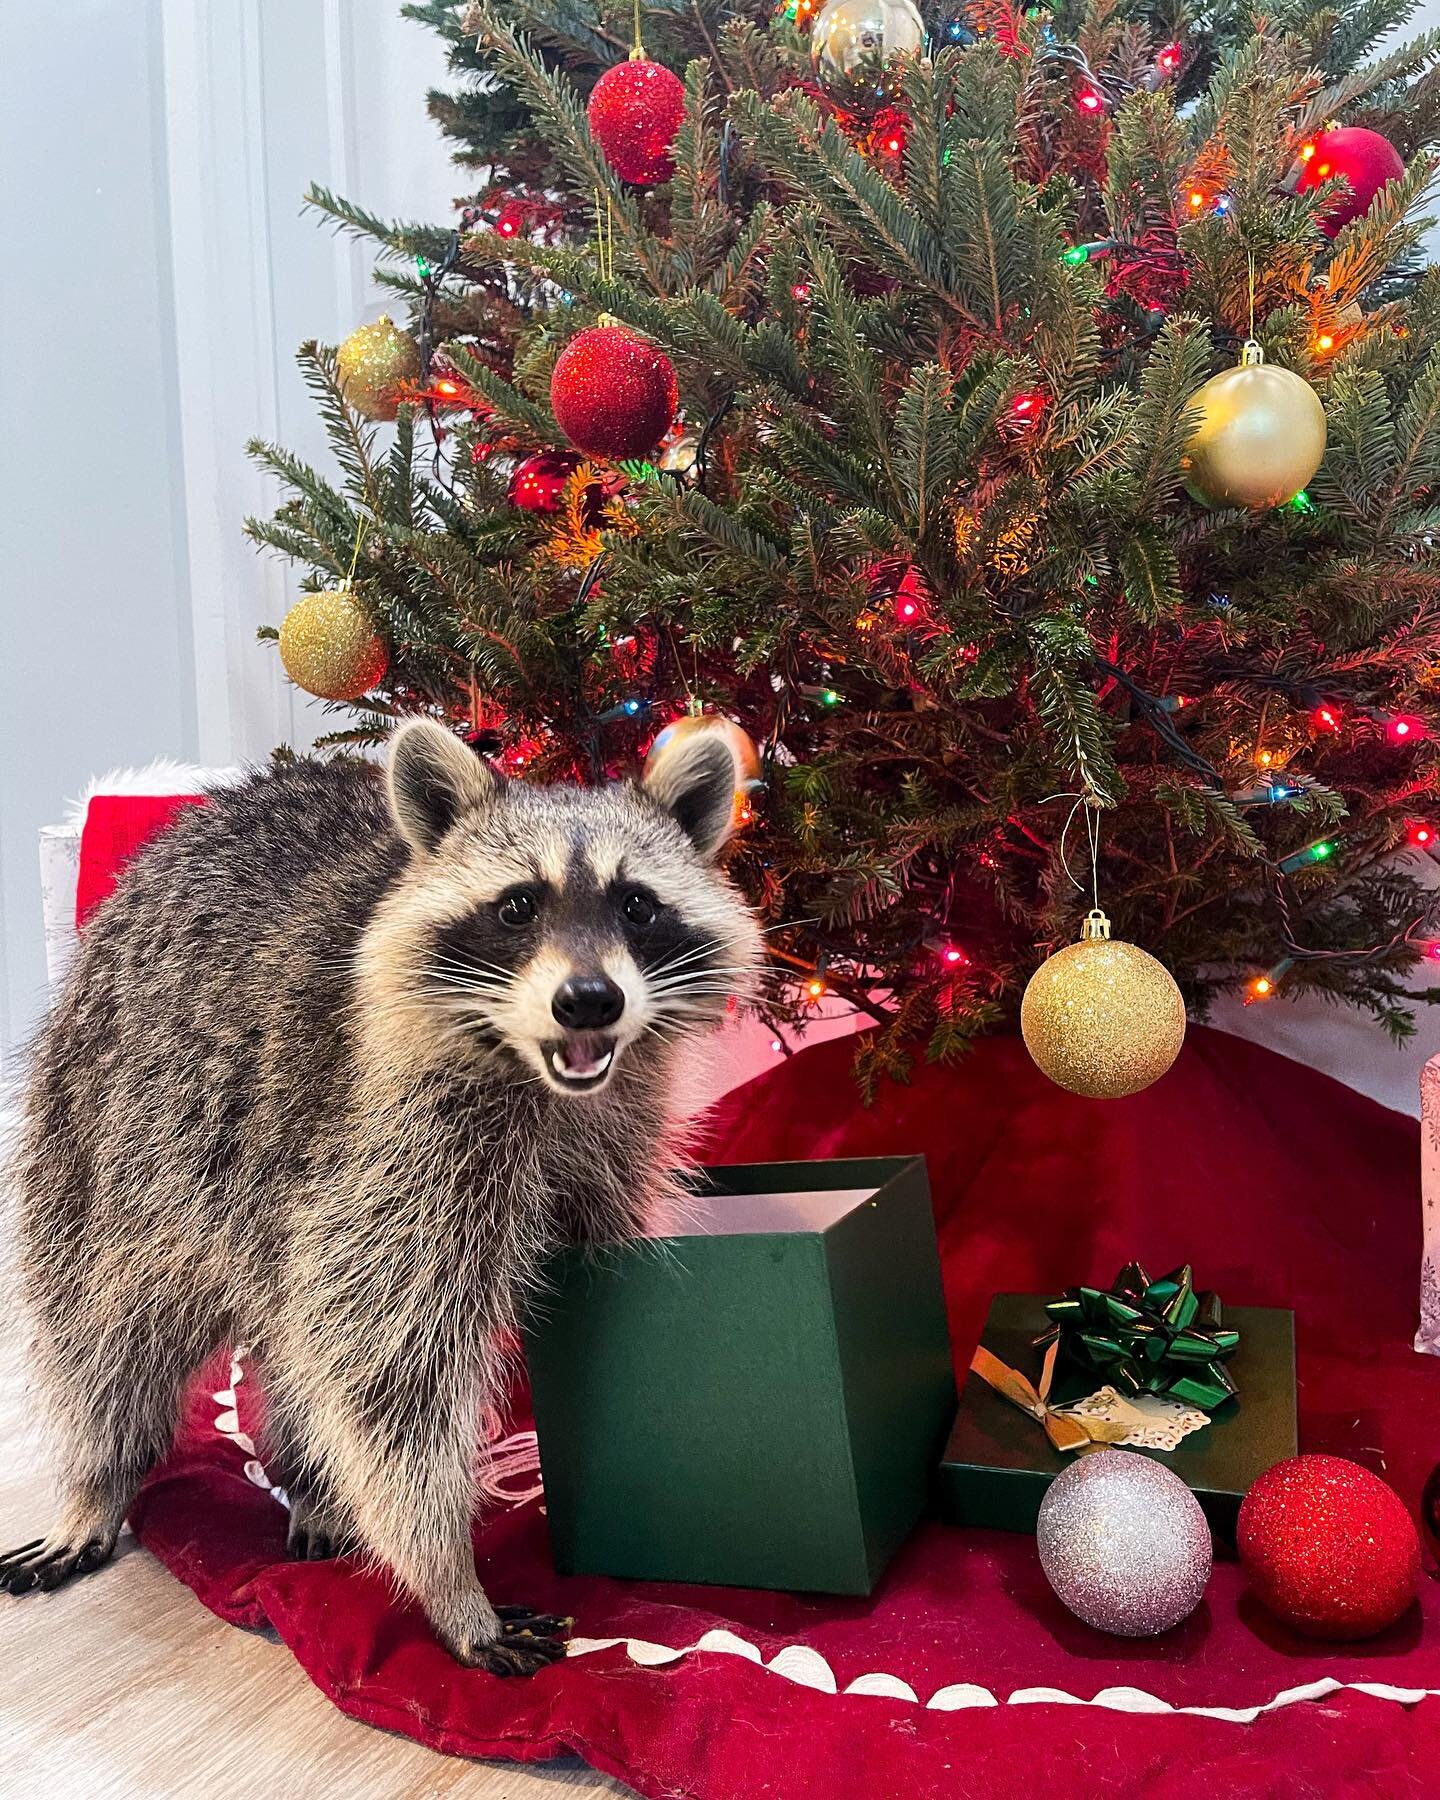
pixel 123 1685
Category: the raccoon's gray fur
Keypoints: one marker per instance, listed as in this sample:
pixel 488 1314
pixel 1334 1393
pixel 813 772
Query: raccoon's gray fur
pixel 328 1079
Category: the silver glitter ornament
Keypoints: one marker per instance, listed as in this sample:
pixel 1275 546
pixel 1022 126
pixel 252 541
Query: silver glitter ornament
pixel 1124 1544
pixel 859 49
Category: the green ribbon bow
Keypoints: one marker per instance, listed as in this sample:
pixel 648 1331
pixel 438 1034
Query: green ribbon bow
pixel 1148 1337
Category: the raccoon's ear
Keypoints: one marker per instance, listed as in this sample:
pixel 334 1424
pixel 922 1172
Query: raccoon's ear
pixel 432 780
pixel 694 779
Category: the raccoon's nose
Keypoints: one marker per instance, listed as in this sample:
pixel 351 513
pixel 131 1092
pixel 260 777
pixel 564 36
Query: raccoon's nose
pixel 588 1002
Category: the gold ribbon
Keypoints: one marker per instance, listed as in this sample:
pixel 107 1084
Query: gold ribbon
pixel 1065 1432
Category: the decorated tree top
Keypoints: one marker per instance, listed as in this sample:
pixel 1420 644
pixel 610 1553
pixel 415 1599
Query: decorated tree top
pixel 944 402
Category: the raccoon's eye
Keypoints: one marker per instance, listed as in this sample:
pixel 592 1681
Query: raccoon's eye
pixel 639 908
pixel 516 911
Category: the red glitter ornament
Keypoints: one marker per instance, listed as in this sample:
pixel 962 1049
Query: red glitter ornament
pixel 634 112
pixel 1328 1547
pixel 1363 159
pixel 538 484
pixel 613 393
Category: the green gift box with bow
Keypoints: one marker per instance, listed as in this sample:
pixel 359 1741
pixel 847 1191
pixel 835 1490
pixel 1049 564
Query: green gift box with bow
pixel 1039 1355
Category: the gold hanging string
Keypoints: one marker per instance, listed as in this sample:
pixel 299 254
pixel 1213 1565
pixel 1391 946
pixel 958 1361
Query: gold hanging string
pixel 361 526
pixel 1092 804
pixel 605 242
pixel 1089 797
pixel 637 54
pixel 1250 254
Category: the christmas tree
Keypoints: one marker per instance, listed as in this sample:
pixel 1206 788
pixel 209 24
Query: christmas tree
pixel 842 375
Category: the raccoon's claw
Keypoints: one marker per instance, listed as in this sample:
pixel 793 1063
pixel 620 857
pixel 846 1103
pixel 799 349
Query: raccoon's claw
pixel 34 1568
pixel 528 1642
pixel 520 1621
pixel 311 1543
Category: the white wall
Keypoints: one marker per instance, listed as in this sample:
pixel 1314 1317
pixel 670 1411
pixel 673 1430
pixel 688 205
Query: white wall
pixel 158 277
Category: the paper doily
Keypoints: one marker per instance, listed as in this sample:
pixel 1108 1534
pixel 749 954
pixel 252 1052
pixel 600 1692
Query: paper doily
pixel 1156 1422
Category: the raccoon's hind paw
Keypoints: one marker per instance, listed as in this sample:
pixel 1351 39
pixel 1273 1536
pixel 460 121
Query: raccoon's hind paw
pixel 528 1642
pixel 40 1565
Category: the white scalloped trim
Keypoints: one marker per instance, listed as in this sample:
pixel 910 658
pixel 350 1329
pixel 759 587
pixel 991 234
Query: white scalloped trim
pixel 227 1423
pixel 799 1663
pixel 508 1459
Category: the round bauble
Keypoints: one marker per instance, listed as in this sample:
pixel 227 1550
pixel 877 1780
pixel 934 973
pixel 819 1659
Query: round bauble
pixel 1363 159
pixel 742 745
pixel 376 365
pixel 678 455
pixel 1102 1018
pixel 634 112
pixel 1260 438
pixel 330 648
pixel 1329 1547
pixel 538 484
pixel 859 50
pixel 1123 1542
pixel 613 392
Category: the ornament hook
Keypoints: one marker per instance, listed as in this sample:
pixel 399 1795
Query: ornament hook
pixel 1095 928
pixel 1251 354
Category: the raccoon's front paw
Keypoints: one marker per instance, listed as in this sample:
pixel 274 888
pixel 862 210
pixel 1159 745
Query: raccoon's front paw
pixel 525 1642
pixel 43 1565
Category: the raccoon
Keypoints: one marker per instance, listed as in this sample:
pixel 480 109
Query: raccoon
pixel 335 1069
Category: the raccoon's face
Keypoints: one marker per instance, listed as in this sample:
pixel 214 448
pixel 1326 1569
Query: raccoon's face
pixel 563 927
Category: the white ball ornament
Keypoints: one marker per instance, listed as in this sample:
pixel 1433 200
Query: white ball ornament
pixel 1124 1544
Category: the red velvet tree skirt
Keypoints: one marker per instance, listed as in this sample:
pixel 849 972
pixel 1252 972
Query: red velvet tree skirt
pixel 960 1675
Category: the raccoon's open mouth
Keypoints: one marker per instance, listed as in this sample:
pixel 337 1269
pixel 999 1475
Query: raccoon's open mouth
pixel 582 1060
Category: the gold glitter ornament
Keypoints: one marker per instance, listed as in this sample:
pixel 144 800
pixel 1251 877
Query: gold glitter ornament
pixel 330 648
pixel 860 49
pixel 1260 438
pixel 376 364
pixel 1102 1018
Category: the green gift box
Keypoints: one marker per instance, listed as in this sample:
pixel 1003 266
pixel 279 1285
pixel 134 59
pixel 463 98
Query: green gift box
pixel 758 1399
pixel 999 1460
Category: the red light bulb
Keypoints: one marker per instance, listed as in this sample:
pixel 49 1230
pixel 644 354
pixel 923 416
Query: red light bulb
pixel 1090 100
pixel 1325 718
pixel 1025 409
pixel 1169 58
pixel 1405 728
pixel 1421 836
